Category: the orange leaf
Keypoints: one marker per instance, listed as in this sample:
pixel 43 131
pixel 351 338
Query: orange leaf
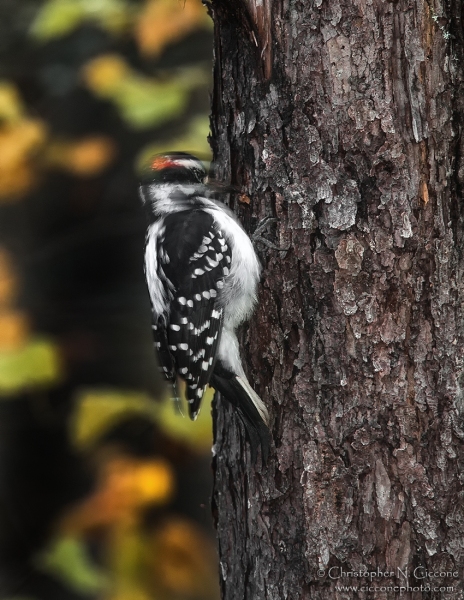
pixel 16 182
pixel 165 21
pixel 84 158
pixel 176 562
pixel 18 143
pixel 14 329
pixel 126 486
pixel 8 280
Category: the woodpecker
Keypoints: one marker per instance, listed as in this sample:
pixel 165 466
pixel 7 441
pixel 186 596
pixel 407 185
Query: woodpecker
pixel 202 273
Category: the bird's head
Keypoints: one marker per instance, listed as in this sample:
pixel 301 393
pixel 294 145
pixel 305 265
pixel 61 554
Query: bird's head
pixel 173 167
pixel 170 178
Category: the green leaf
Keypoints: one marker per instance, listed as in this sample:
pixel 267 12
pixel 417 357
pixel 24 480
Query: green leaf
pixel 147 104
pixel 142 101
pixel 194 141
pixel 98 410
pixel 57 18
pixel 68 560
pixel 197 434
pixel 37 364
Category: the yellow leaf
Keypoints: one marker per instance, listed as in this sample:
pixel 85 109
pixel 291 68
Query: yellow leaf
pixel 154 482
pixel 131 483
pixel 14 329
pixel 21 138
pixel 165 21
pixel 98 410
pixel 18 143
pixel 197 434
pixel 105 74
pixel 125 556
pixel 36 364
pixel 130 592
pixel 11 106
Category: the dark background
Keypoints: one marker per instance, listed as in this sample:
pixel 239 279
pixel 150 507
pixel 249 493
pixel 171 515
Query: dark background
pixel 104 492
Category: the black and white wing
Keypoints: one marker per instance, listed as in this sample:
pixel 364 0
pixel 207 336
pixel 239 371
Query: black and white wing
pixel 193 259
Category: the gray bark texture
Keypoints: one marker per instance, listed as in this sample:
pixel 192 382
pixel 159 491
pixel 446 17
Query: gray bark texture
pixel 344 119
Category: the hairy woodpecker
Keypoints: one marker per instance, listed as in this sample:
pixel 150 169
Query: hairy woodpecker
pixel 202 273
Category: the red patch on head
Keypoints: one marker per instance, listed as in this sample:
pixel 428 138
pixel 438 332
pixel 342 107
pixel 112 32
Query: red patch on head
pixel 162 162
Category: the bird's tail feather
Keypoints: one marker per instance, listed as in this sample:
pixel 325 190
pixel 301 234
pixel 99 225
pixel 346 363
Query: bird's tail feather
pixel 259 404
pixel 250 408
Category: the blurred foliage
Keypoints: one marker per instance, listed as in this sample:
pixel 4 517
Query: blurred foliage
pixel 28 146
pixel 25 362
pixel 8 279
pixel 196 434
pixel 26 149
pixel 14 329
pixel 125 485
pixel 85 158
pixel 142 101
pixel 67 558
pixel 164 562
pixel 12 109
pixel 59 17
pixel 179 566
pixel 99 410
pixel 34 364
pixel 161 561
pixel 21 139
pixel 101 475
pixel 193 140
pixel 160 23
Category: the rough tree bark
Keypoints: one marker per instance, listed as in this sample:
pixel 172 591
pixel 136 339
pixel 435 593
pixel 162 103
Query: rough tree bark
pixel 343 118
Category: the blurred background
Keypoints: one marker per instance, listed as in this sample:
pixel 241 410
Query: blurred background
pixel 104 489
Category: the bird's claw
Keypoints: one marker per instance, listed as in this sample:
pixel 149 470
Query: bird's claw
pixel 262 226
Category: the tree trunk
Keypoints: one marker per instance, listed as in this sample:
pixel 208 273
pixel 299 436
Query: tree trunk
pixel 343 119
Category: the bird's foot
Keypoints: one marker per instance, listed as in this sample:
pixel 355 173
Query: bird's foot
pixel 258 238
